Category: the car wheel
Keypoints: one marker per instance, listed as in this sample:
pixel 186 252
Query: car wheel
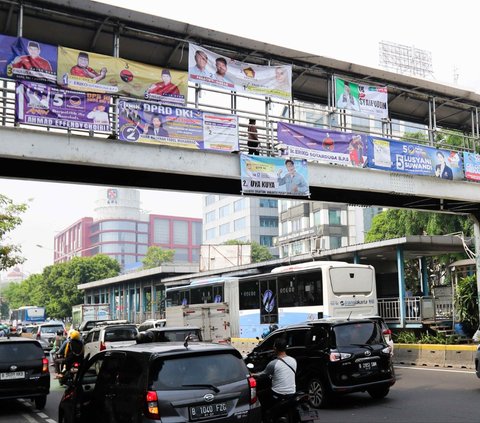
pixel 379 393
pixel 317 393
pixel 40 402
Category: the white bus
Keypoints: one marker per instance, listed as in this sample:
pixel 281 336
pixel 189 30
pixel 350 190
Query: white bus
pixel 286 295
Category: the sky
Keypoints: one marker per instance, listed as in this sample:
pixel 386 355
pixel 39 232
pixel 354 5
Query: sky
pixel 348 31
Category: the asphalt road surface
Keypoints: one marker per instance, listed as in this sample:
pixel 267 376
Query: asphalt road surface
pixel 421 394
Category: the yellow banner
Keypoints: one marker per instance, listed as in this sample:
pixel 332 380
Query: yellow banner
pixel 92 72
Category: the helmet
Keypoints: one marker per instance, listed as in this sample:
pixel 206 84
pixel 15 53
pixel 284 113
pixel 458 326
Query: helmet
pixel 60 332
pixel 74 334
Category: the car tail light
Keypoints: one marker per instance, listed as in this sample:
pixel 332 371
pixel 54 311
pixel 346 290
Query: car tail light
pixel 102 346
pixel 252 383
pixel 152 405
pixel 337 356
pixel 44 365
pixel 387 332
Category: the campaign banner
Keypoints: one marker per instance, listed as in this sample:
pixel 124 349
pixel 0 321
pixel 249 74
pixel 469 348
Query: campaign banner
pixel 367 99
pixel 322 145
pixel 415 159
pixel 153 123
pixel 92 72
pixel 6 53
pixel 206 67
pixel 42 104
pixel 471 163
pixel 274 176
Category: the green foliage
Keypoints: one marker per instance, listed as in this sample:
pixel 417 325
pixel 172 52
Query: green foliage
pixel 156 256
pixel 56 288
pixel 258 252
pixel 428 338
pixel 405 337
pixel 466 303
pixel 409 337
pixel 9 220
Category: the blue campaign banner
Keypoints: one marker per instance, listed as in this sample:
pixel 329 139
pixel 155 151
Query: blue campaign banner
pixel 32 60
pixel 274 176
pixel 415 159
pixel 322 145
pixel 471 163
pixel 155 123
pixel 6 53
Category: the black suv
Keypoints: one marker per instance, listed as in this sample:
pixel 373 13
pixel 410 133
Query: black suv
pixel 24 370
pixel 168 382
pixel 334 356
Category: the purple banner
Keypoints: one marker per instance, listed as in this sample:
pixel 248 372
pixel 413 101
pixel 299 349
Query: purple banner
pixel 6 52
pixel 322 145
pixel 33 61
pixel 43 104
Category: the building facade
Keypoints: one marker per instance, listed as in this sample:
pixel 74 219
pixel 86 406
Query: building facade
pixel 245 219
pixel 124 232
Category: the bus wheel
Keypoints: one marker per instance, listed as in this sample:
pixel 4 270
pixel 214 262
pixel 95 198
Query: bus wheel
pixel 317 393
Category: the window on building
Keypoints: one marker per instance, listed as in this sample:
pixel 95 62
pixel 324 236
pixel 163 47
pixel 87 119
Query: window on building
pixel 142 227
pixel 142 249
pixel 210 216
pixel 161 231
pixel 335 242
pixel 142 238
pixel 285 250
pixel 180 232
pixel 210 233
pixel 268 222
pixel 266 240
pixel 94 228
pixel 93 240
pixel 195 255
pixel 196 233
pixel 317 218
pixel 268 203
pixel 334 217
pixel 181 255
pixel 285 228
pixel 296 225
pixel 224 211
pixel 225 229
pixel 239 224
pixel 297 248
pixel 210 199
pixel 118 225
pixel 239 205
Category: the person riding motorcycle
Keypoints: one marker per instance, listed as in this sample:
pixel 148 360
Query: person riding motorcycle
pixel 282 372
pixel 74 350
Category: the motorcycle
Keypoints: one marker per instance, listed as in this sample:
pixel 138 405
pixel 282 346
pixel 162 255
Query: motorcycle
pixel 68 376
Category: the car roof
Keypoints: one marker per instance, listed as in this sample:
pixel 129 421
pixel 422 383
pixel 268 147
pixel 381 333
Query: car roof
pixel 173 328
pixel 11 339
pixel 113 326
pixel 331 321
pixel 175 348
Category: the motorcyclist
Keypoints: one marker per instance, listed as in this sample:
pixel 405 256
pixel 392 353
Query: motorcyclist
pixel 282 372
pixel 57 359
pixel 74 350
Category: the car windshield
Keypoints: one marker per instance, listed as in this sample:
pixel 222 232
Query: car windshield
pixel 190 371
pixel 22 351
pixel 51 329
pixel 120 334
pixel 360 333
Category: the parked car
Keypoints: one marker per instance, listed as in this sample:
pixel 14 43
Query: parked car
pixel 152 323
pixel 170 334
pixel 86 325
pixel 29 331
pixel 163 382
pixel 46 333
pixel 23 370
pixel 110 336
pixel 334 356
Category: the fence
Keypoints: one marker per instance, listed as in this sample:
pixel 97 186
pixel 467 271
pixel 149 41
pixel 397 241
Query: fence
pixel 417 309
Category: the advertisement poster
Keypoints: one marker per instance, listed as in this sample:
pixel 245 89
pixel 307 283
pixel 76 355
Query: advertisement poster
pixel 6 53
pixel 206 67
pixel 322 145
pixel 268 302
pixel 153 123
pixel 91 72
pixel 471 163
pixel 42 104
pixel 367 99
pixel 274 176
pixel 414 159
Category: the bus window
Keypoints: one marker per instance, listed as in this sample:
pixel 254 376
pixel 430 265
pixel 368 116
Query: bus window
pixel 287 291
pixel 346 280
pixel 249 295
pixel 309 287
pixel 177 298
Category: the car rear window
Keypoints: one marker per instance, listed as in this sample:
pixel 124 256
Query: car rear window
pixel 22 351
pixel 51 329
pixel 179 336
pixel 361 333
pixel 181 373
pixel 120 334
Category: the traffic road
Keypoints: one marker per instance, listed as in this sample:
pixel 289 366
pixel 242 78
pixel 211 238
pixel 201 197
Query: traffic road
pixel 421 394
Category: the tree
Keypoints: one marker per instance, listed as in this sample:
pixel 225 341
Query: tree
pixel 156 256
pixel 56 288
pixel 258 252
pixel 9 220
pixel 466 304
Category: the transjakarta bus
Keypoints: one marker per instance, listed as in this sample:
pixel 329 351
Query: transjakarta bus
pixel 27 315
pixel 286 295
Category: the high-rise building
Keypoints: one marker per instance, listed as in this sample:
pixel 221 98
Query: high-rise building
pixel 121 230
pixel 247 219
